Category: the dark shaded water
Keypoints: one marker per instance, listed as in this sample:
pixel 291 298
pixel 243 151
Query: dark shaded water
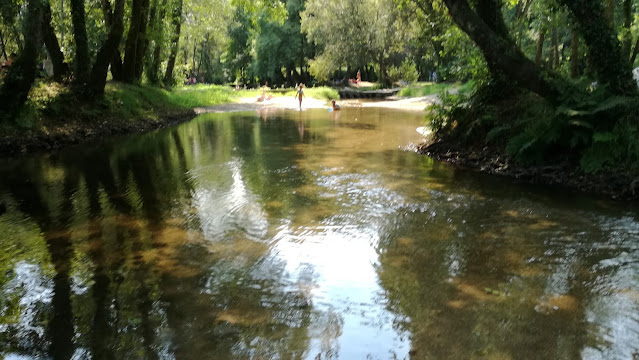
pixel 304 235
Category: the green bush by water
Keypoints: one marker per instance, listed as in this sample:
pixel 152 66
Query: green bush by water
pixel 589 128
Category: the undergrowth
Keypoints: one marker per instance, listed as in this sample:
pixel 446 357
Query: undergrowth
pixel 590 128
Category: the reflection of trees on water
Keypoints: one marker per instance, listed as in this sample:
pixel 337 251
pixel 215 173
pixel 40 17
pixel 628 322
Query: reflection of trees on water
pixel 508 280
pixel 128 259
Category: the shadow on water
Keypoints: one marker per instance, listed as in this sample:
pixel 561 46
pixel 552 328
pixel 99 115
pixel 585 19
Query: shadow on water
pixel 304 235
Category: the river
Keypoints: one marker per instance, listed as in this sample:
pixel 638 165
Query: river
pixel 282 234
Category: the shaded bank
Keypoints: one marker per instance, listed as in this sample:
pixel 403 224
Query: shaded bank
pixel 78 132
pixel 619 185
pixel 55 116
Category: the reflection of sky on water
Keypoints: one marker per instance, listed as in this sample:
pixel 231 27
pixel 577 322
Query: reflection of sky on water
pixel 344 285
pixel 224 203
pixel 331 265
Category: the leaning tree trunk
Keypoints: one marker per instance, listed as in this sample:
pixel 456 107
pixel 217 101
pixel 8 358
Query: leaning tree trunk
pixel 22 73
pixel 82 64
pixel 175 39
pixel 502 53
pixel 130 48
pixel 108 50
pixel 604 49
pixel 60 68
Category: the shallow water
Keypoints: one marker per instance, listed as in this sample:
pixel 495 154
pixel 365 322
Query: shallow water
pixel 304 235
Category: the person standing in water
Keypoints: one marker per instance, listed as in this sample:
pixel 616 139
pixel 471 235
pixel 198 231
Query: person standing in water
pixel 300 94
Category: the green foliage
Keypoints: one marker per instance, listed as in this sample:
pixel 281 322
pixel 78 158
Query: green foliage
pixel 424 89
pixel 442 115
pixel 407 72
pixel 590 129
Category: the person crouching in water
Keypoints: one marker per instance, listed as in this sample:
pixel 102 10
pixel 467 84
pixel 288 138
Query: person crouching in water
pixel 335 106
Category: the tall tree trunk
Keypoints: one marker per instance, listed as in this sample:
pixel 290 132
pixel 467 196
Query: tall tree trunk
pixel 527 7
pixel 108 50
pixel 60 68
pixel 130 48
pixel 2 43
pixel 490 12
pixel 22 73
pixel 117 68
pixel 16 36
pixel 158 30
pixel 502 53
pixel 175 40
pixel 635 51
pixel 143 42
pixel 193 71
pixel 627 24
pixel 574 55
pixel 540 46
pixel 554 62
pixel 604 48
pixel 82 64
pixel 610 12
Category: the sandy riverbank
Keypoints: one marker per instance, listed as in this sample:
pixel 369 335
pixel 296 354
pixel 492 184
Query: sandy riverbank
pixel 249 104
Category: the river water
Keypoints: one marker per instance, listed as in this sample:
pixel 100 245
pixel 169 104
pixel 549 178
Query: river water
pixel 304 235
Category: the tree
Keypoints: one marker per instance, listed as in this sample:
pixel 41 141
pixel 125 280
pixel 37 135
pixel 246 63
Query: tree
pixel 176 21
pixel 352 33
pixel 501 53
pixel 60 68
pixel 20 77
pixel 108 50
pixel 82 61
pixel 603 45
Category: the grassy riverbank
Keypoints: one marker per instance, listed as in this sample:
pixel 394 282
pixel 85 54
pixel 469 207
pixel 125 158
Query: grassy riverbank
pixel 429 88
pixel 55 116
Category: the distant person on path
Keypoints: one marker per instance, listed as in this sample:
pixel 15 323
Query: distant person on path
pixel 359 77
pixel 434 76
pixel 300 94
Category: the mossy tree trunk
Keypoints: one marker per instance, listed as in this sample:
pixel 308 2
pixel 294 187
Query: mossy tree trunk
pixel 501 53
pixel 540 46
pixel 22 73
pixel 604 49
pixel 143 42
pixel 60 68
pixel 175 39
pixel 108 50
pixel 574 56
pixel 2 44
pixel 130 48
pixel 82 62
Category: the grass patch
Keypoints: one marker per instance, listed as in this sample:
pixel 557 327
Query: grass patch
pixel 426 88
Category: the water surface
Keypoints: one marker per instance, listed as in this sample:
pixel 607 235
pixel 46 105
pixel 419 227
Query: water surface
pixel 304 235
